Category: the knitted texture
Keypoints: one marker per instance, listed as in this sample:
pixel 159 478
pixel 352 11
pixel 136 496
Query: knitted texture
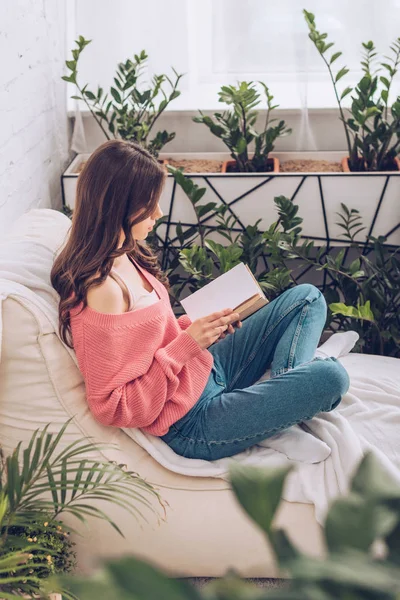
pixel 141 368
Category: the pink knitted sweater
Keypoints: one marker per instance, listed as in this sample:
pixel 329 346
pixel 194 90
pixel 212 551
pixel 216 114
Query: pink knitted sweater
pixel 141 368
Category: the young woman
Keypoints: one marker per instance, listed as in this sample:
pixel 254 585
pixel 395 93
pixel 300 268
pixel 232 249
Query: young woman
pixel 192 384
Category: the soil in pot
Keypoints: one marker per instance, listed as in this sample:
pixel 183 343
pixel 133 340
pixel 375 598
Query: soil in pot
pixel 310 166
pixel 215 166
pixel 272 165
pixel 197 165
pixel 83 163
pixel 393 165
pixel 80 167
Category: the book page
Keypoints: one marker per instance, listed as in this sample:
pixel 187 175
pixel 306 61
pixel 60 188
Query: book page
pixel 227 291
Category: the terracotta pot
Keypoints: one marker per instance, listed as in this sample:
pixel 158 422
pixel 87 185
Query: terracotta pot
pixel 273 160
pixel 346 168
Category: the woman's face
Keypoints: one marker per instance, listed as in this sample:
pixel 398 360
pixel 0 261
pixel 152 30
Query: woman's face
pixel 141 230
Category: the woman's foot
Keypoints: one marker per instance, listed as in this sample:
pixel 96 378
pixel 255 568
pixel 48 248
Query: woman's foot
pixel 339 344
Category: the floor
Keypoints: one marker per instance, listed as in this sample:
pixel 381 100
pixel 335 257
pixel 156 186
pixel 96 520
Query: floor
pixel 261 583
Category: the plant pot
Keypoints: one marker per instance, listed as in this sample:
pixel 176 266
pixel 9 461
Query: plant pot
pixel 274 162
pixel 250 197
pixel 346 168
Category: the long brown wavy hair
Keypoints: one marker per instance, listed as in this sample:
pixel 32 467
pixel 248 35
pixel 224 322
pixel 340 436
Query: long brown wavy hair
pixel 119 186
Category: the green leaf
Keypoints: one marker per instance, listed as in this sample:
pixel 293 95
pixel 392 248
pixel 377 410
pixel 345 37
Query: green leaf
pixel 90 95
pixel 393 543
pixel 335 56
pixel 116 95
pixel 352 571
pixel 363 312
pixel 3 506
pixel 233 587
pixel 78 479
pixel 144 581
pixel 259 491
pixel 355 266
pixel 241 146
pixel 354 522
pixel 205 208
pixel 373 481
pixel 53 488
pixel 64 478
pixel 341 74
pixel 284 549
pixel 358 275
pixel 385 81
pixel 346 92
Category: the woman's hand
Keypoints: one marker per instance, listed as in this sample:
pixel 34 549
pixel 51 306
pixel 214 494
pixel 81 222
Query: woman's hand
pixel 231 329
pixel 208 330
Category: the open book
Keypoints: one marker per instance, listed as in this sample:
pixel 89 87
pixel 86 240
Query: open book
pixel 237 289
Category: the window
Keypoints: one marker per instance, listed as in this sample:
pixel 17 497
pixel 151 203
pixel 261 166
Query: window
pixel 217 42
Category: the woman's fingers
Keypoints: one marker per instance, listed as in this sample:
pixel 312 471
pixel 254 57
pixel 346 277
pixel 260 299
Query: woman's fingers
pixel 230 329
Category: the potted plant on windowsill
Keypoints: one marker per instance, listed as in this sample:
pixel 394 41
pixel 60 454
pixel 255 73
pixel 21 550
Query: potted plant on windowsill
pixel 373 139
pixel 127 111
pixel 236 128
pixel 251 192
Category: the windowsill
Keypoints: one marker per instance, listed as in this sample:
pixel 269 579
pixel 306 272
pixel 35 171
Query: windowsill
pixel 190 112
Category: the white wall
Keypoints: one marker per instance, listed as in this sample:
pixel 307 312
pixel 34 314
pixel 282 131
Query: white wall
pixel 33 119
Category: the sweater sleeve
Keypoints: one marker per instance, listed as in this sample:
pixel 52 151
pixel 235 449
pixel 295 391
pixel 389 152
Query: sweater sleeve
pixel 184 322
pixel 124 390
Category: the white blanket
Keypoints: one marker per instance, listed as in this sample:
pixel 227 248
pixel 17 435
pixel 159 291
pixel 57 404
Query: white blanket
pixel 325 450
pixel 367 419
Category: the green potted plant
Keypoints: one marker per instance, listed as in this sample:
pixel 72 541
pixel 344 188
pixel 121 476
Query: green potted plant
pixel 51 546
pixel 127 111
pixel 194 258
pixel 363 292
pixel 38 485
pixel 235 127
pixel 373 129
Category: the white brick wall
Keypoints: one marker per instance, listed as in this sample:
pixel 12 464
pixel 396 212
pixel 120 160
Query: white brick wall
pixel 34 127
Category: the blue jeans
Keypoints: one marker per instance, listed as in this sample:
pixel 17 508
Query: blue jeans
pixel 233 411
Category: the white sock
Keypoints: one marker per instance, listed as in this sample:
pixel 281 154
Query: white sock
pixel 339 344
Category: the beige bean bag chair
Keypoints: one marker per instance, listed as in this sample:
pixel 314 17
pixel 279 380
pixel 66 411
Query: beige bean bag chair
pixel 205 532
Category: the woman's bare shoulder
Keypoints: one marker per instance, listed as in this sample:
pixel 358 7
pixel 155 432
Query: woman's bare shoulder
pixel 106 297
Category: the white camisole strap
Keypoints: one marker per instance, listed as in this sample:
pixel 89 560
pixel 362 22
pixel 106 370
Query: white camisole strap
pixel 141 298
